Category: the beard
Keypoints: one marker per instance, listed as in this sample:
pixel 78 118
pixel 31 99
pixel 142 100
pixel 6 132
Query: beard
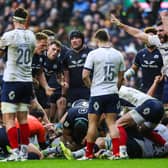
pixel 150 46
pixel 164 38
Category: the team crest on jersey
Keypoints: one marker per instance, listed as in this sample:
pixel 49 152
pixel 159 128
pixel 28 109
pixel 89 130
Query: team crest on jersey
pixel 96 106
pixel 146 111
pixel 83 55
pixel 143 55
pixel 41 59
pixel 82 110
pixel 11 95
pixel 55 66
pixel 156 56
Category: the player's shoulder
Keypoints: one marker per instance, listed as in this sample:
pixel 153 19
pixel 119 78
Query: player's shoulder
pixel 8 33
pixel 116 52
pixel 72 110
pixel 30 32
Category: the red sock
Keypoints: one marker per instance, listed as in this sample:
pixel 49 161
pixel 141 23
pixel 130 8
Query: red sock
pixel 24 134
pixel 89 149
pixel 155 137
pixel 13 137
pixel 116 143
pixel 123 135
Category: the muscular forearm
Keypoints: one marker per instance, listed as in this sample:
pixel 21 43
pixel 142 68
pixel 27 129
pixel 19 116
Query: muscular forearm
pixel 135 32
pixel 87 82
pixel 42 80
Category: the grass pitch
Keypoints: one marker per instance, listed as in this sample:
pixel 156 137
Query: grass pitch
pixel 61 163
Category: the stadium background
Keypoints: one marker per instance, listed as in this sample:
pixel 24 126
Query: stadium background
pixel 87 16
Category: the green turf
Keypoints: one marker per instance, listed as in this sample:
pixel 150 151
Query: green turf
pixel 131 163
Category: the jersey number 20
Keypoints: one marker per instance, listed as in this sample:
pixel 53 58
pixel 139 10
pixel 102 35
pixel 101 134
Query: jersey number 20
pixel 24 56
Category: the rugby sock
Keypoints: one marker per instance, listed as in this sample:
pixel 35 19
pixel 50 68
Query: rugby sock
pixel 95 148
pixel 24 134
pixel 13 137
pixel 116 143
pixel 123 136
pixel 155 137
pixel 89 149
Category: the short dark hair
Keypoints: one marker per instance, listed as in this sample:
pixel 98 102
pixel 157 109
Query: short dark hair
pixel 80 130
pixel 159 22
pixel 41 36
pixel 102 35
pixel 37 113
pixel 20 15
pixel 48 32
pixel 56 42
pixel 76 33
pixel 150 30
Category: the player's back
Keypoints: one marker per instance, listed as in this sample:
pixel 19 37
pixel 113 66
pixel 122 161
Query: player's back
pixel 107 62
pixel 20 45
pixel 133 96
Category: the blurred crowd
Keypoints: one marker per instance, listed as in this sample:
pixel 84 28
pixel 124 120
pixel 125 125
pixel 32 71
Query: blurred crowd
pixel 87 16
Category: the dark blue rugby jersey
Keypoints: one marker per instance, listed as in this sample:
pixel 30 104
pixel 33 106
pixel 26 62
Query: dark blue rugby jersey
pixel 37 64
pixel 74 63
pixel 75 113
pixel 151 64
pixel 51 66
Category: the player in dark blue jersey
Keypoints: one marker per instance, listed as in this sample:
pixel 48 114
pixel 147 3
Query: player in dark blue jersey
pixel 53 72
pixel 75 124
pixel 149 59
pixel 73 65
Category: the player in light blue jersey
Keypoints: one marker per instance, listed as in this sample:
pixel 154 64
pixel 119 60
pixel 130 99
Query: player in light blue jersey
pixel 19 46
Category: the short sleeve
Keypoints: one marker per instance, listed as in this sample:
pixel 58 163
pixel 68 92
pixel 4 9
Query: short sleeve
pixel 4 41
pixel 89 62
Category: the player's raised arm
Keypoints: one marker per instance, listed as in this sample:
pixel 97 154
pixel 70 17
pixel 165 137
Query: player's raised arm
pixel 137 33
pixel 164 18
